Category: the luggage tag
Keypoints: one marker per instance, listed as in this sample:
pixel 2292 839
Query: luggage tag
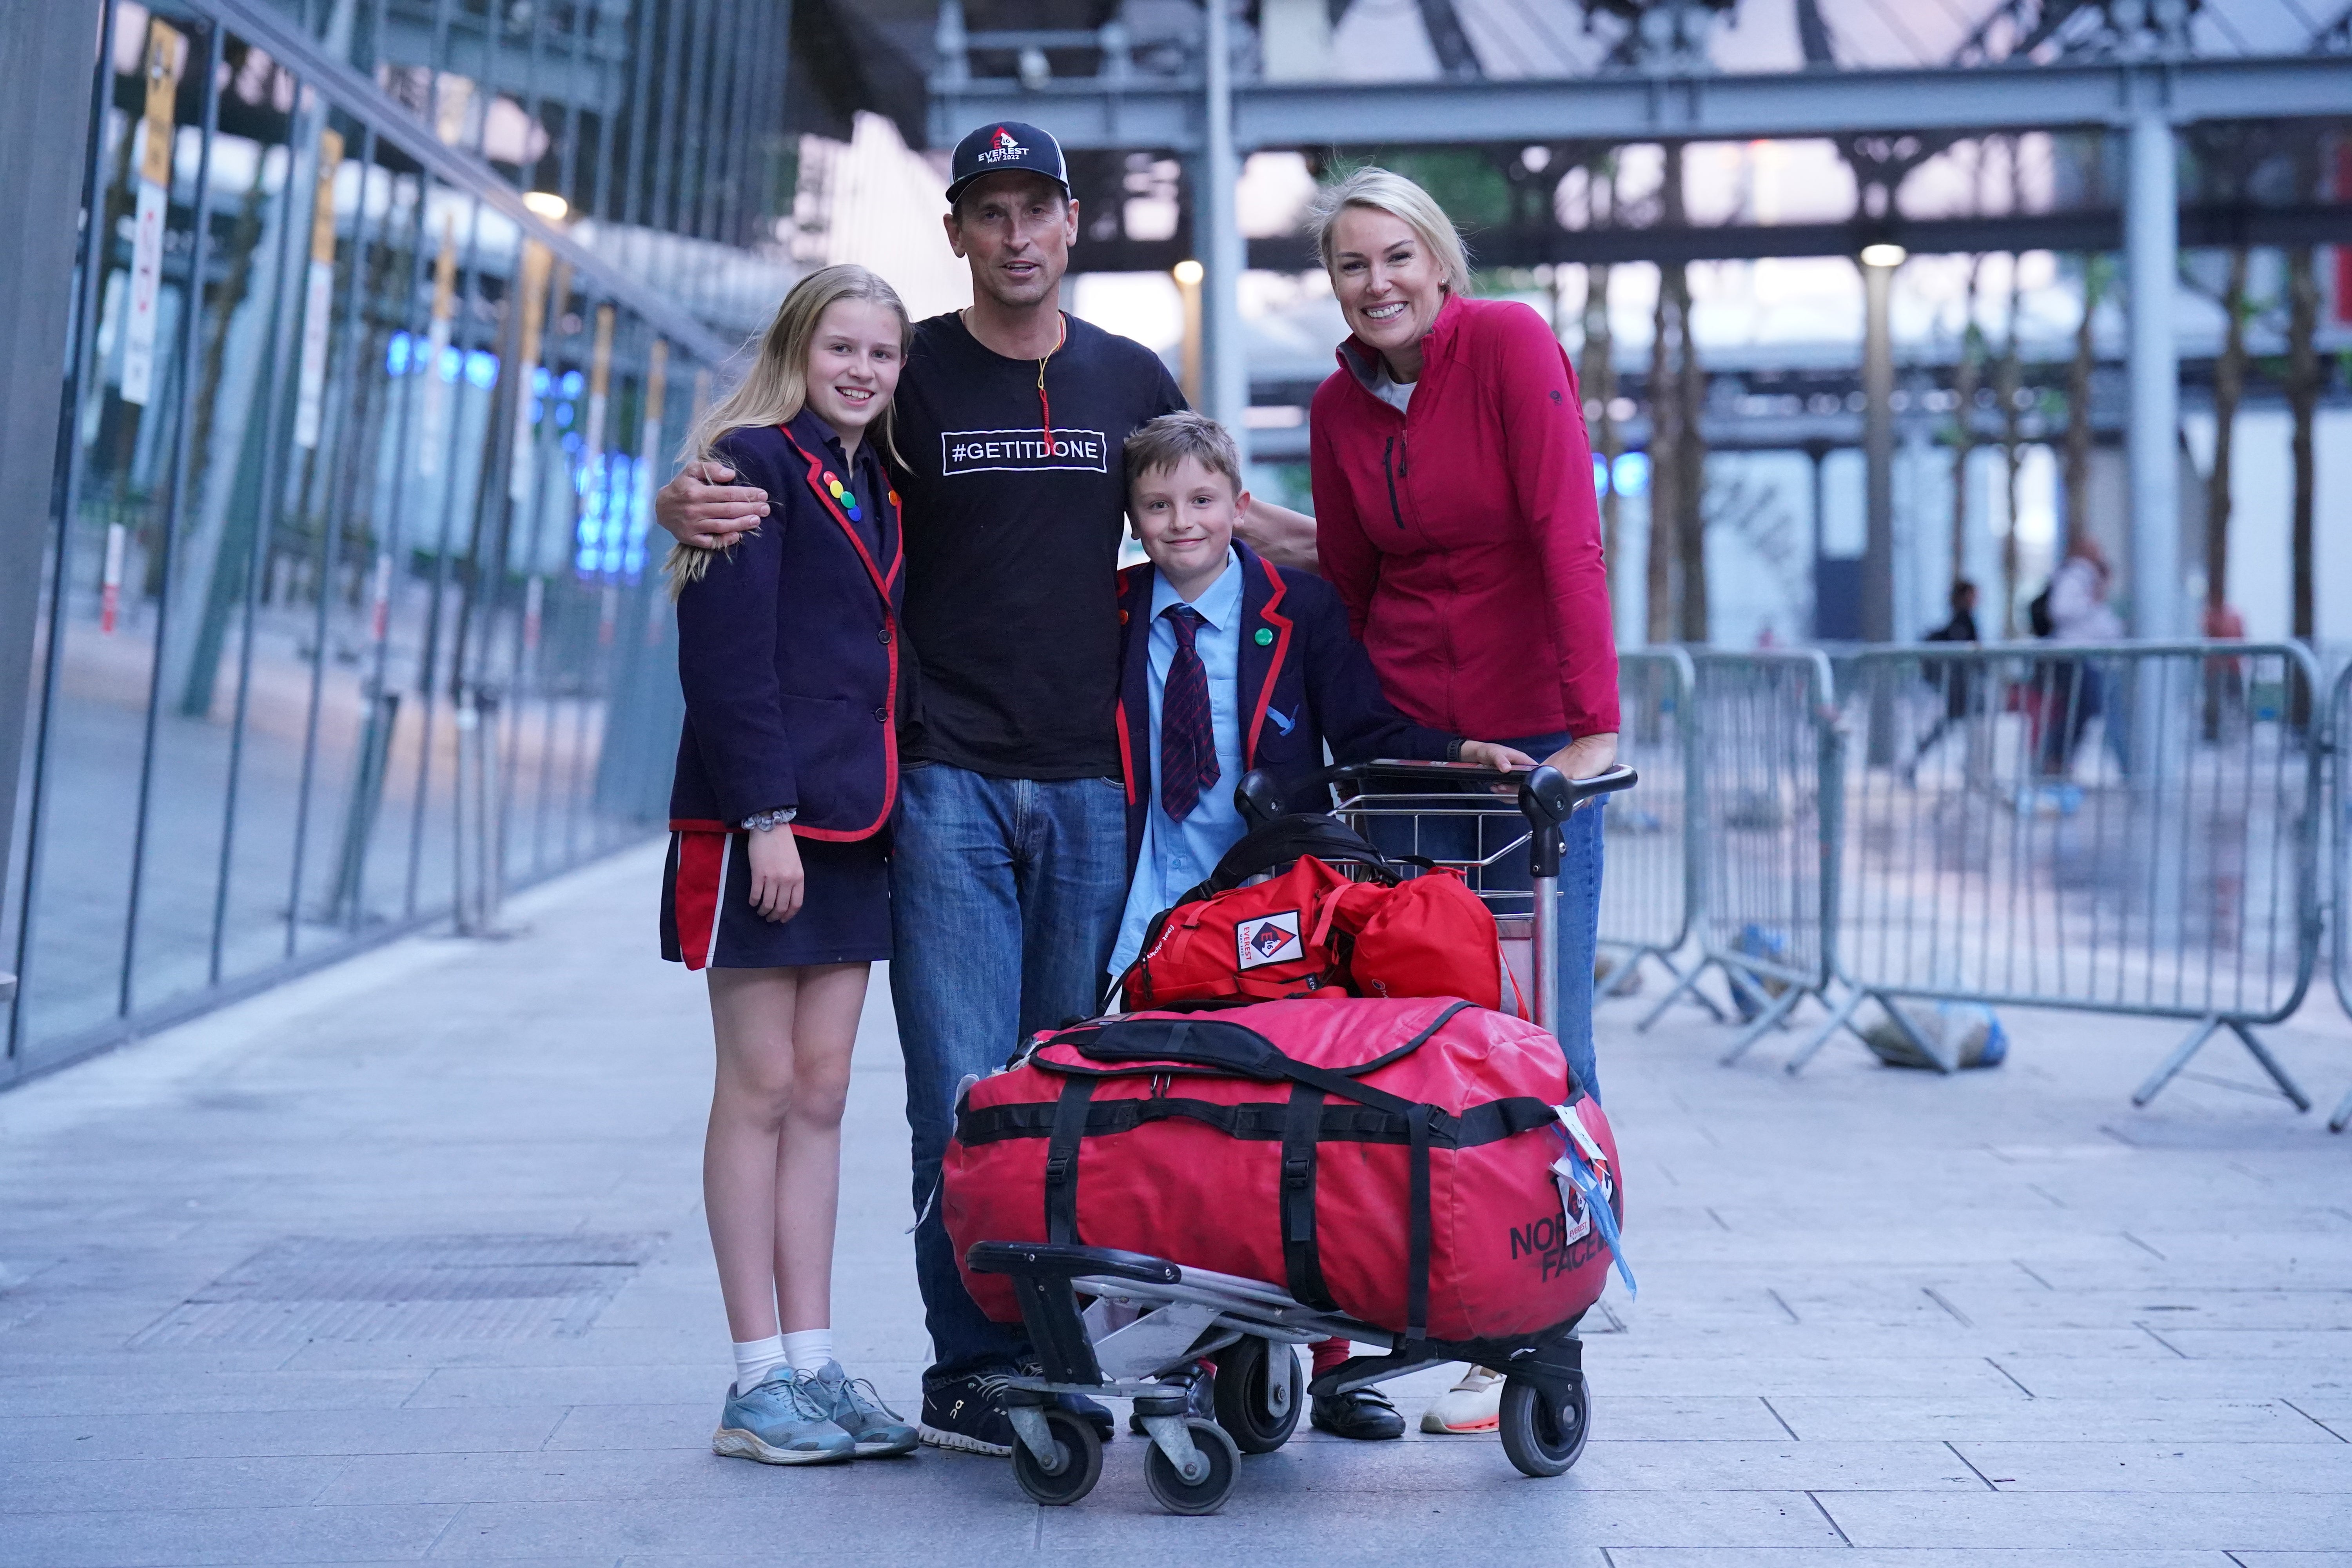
pixel 1584 1170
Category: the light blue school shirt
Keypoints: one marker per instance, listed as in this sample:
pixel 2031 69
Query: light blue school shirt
pixel 1177 855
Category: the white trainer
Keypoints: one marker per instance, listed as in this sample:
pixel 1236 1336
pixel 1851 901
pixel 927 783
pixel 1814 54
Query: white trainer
pixel 1473 1404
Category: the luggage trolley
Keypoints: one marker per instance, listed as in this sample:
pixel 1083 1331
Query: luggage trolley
pixel 1152 1320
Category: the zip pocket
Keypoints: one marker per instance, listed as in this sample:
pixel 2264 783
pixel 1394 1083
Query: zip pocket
pixel 1388 468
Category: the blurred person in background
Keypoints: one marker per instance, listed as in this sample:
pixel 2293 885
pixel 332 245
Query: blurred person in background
pixel 2075 689
pixel 1955 679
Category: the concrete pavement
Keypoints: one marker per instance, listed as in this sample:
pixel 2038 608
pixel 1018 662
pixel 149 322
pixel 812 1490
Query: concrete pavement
pixel 406 1261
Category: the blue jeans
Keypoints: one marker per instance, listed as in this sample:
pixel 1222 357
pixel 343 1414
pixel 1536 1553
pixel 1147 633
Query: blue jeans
pixel 1004 900
pixel 1466 838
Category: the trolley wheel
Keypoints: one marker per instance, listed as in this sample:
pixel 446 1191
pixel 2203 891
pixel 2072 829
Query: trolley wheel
pixel 1246 1373
pixel 1079 1451
pixel 1206 1496
pixel 1544 1435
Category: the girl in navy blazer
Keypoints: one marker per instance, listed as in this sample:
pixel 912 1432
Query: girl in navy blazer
pixel 777 878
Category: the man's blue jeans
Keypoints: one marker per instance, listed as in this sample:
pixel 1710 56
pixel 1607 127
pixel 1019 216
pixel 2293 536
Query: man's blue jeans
pixel 1004 900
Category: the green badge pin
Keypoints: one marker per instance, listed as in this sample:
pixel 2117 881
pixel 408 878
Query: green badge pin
pixel 1264 636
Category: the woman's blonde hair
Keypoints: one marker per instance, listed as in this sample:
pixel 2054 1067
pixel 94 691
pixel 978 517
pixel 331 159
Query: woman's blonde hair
pixel 775 389
pixel 1383 190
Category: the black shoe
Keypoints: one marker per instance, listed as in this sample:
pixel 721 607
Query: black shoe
pixel 966 1416
pixel 1096 1413
pixel 1200 1399
pixel 1365 1415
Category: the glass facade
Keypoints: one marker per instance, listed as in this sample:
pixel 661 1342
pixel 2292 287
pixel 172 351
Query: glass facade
pixel 389 317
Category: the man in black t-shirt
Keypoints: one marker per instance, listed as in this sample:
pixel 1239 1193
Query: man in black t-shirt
pixel 1008 855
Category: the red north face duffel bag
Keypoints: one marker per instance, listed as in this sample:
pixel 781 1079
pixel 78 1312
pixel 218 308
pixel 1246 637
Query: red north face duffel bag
pixel 1405 1163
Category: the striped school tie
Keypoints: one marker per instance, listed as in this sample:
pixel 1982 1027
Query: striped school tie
pixel 1188 737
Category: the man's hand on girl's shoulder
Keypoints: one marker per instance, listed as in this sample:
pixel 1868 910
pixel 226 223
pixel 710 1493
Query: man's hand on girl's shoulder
pixel 703 507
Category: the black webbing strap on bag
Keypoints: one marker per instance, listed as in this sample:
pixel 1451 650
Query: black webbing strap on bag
pixel 1302 1264
pixel 1062 1162
pixel 1416 1263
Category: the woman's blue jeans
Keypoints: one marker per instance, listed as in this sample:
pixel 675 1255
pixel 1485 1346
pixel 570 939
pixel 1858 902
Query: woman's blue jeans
pixel 1465 837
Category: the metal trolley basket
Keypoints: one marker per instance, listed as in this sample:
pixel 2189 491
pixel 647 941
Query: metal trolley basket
pixel 1151 1322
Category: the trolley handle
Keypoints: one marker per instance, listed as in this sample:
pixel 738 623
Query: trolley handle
pixel 1547 796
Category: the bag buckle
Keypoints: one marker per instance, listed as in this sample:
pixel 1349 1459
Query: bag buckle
pixel 1297 1169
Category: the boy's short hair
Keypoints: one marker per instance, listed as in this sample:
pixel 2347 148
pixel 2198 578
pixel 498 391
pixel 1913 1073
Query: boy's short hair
pixel 1162 443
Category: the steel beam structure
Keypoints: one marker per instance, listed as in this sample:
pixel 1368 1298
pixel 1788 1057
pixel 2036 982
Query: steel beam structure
pixel 1143 112
pixel 1878 452
pixel 2092 229
pixel 2151 261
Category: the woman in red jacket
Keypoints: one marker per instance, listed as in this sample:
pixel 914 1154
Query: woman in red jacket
pixel 1454 513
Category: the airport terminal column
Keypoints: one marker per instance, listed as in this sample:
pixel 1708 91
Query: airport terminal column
pixel 47 54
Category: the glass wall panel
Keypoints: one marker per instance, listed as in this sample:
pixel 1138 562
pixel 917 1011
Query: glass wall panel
pixel 349 622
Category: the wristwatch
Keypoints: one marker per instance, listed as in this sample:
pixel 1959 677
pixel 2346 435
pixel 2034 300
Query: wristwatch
pixel 769 821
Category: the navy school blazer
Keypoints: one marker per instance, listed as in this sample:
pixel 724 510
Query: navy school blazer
pixel 788 648
pixel 1304 678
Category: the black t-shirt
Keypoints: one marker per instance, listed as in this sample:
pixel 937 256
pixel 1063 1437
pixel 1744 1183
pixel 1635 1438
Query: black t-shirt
pixel 1012 546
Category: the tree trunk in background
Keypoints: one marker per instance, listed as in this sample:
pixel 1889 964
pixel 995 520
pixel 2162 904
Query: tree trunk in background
pixel 1690 478
pixel 1664 439
pixel 2078 442
pixel 1965 377
pixel 1597 379
pixel 2302 399
pixel 2229 386
pixel 1665 424
pixel 2008 377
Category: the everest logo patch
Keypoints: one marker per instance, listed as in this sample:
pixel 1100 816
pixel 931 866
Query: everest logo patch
pixel 1000 147
pixel 1268 940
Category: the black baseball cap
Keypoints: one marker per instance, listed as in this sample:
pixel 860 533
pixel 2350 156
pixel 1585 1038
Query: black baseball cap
pixel 1002 145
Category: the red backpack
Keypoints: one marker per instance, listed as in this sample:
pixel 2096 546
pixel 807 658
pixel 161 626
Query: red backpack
pixel 1311 931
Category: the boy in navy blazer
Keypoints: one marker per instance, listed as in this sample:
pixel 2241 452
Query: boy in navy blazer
pixel 1228 662
pixel 1254 662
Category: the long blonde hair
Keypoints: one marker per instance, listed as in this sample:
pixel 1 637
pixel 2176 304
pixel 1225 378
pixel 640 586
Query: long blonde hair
pixel 775 389
pixel 1383 190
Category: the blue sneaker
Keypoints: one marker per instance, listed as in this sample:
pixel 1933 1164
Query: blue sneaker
pixel 782 1421
pixel 853 1407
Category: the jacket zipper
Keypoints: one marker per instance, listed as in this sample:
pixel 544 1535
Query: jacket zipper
pixel 1388 467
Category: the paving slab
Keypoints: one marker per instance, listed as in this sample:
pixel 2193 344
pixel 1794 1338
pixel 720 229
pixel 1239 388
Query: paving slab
pixel 1999 1319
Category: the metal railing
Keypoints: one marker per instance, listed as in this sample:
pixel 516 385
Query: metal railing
pixel 1649 897
pixel 2128 828
pixel 2339 806
pixel 1764 748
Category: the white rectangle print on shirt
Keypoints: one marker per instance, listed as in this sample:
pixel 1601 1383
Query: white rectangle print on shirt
pixel 985 451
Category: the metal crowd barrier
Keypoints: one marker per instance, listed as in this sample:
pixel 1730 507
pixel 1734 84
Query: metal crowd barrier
pixel 2124 828
pixel 1650 895
pixel 1764 833
pixel 2339 841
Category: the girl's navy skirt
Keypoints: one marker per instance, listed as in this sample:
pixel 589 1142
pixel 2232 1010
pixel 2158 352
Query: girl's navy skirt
pixel 708 922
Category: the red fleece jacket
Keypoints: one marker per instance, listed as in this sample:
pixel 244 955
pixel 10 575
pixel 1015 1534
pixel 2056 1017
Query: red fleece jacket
pixel 1463 536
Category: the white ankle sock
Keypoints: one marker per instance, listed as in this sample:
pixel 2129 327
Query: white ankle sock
pixel 755 1359
pixel 808 1349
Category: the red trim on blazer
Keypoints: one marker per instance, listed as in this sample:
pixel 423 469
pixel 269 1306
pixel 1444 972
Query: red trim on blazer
pixel 1118 709
pixel 1274 669
pixel 882 584
pixel 1126 749
pixel 700 883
